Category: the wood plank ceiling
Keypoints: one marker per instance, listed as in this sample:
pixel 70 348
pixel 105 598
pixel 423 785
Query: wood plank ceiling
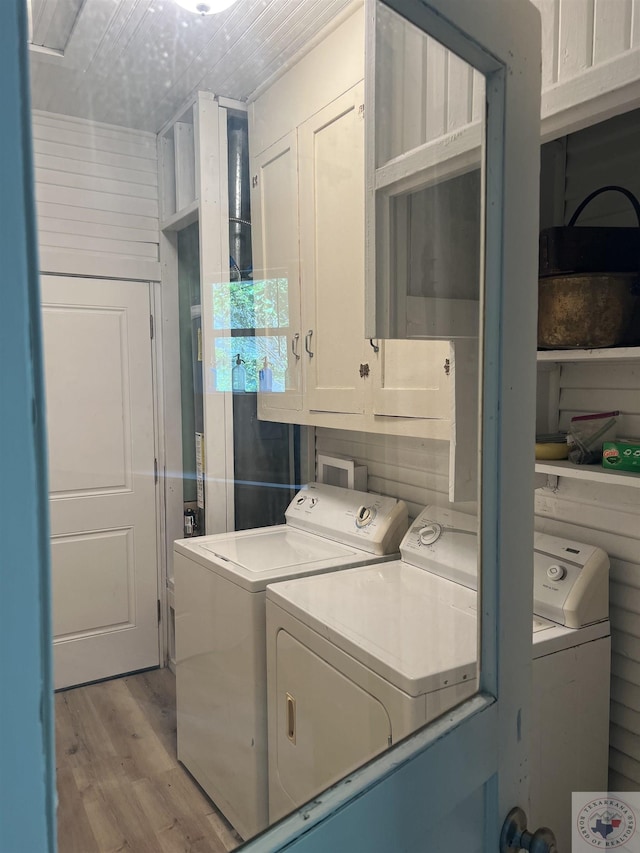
pixel 134 62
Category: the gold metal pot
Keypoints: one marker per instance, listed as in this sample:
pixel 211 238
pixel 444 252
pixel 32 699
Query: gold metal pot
pixel 588 310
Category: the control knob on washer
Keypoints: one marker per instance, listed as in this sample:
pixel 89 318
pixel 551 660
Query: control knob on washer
pixel 365 516
pixel 556 573
pixel 430 533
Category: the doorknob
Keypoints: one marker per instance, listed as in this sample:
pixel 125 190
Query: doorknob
pixel 515 836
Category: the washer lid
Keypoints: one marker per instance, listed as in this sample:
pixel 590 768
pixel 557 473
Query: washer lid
pixel 415 629
pixel 254 558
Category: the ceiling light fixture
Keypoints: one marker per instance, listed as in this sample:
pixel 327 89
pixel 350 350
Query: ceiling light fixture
pixel 205 7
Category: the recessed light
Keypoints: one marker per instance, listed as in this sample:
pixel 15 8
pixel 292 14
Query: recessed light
pixel 205 7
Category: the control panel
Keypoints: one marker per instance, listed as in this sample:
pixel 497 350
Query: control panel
pixel 374 523
pixel 444 542
pixel 570 579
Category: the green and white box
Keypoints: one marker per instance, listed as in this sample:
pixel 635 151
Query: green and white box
pixel 622 455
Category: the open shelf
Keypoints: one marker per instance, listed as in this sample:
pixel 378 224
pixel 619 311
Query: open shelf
pixel 609 354
pixel 588 472
pixel 179 220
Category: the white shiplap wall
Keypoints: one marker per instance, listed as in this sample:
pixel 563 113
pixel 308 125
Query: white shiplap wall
pixel 606 515
pixel 603 515
pixel 415 470
pixel 581 35
pixel 97 198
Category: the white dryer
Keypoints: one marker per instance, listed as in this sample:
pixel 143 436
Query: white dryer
pixel 220 581
pixel 359 660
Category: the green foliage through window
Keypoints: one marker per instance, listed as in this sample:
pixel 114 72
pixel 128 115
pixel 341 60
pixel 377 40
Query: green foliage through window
pixel 262 304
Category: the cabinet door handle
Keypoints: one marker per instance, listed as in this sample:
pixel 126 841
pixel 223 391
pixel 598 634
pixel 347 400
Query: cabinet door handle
pixel 294 345
pixel 307 341
pixel 291 718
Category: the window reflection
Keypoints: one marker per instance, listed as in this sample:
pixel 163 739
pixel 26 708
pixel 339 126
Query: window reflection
pixel 253 358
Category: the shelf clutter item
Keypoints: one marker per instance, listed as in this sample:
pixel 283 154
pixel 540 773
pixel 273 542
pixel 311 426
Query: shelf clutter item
pixel 552 446
pixel 587 434
pixel 622 455
pixel 239 376
pixel 589 284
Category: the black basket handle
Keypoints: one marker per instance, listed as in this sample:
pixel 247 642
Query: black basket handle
pixel 634 201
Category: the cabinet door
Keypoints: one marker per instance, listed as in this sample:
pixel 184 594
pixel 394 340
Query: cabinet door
pixel 413 379
pixel 423 185
pixel 274 203
pixel 331 158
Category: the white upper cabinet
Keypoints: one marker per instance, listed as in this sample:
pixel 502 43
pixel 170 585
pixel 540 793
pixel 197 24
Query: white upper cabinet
pixel 413 379
pixel 308 210
pixel 423 183
pixel 331 151
pixel 274 205
pixel 308 213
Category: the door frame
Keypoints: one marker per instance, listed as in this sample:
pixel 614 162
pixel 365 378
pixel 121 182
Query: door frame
pixel 27 809
pixel 27 751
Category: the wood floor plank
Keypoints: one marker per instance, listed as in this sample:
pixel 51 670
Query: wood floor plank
pixel 222 830
pixel 73 825
pixel 156 692
pixel 195 811
pixel 129 731
pixel 85 739
pixel 120 786
pixel 84 745
pixel 175 830
pixel 117 810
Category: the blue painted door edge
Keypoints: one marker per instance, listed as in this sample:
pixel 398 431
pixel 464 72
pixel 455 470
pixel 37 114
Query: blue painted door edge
pixel 27 757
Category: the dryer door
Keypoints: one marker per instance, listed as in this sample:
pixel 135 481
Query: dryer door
pixel 318 706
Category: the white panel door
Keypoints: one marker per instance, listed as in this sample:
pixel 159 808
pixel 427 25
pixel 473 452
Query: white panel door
pixel 331 156
pixel 98 376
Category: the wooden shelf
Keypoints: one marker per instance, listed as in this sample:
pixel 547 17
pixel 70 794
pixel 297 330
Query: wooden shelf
pixel 181 218
pixel 609 354
pixel 592 473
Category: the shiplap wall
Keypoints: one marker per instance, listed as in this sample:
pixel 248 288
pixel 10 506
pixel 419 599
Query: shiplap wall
pixel 580 35
pixel 603 515
pixel 97 198
pixel 415 470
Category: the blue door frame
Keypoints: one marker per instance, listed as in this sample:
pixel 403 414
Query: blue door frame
pixel 27 762
pixel 27 784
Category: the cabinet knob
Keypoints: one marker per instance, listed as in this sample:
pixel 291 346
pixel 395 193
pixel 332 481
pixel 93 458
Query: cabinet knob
pixel 364 370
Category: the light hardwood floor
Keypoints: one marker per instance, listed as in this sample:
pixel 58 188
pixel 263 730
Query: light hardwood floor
pixel 120 787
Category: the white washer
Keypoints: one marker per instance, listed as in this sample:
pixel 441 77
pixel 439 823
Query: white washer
pixel 357 661
pixel 220 582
